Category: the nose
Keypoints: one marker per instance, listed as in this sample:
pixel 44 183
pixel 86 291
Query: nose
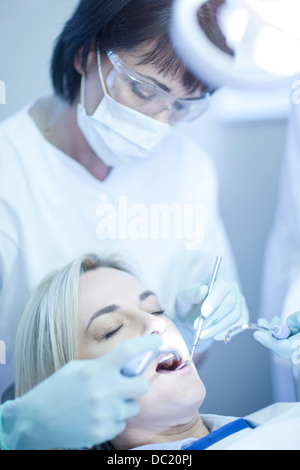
pixel 154 324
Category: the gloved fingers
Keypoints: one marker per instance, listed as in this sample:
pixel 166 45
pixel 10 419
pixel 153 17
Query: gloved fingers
pixel 228 320
pixel 293 322
pixel 218 296
pixel 116 409
pixel 110 420
pixel 224 311
pixel 130 408
pixel 131 387
pixel 265 323
pixel 103 431
pixel 118 357
pixel 237 317
pixel 133 347
pixel 118 386
pixel 269 324
pixel 281 347
pixel 275 321
pixel 188 297
pixel 127 409
pixel 231 321
pixel 221 326
pixel 196 294
pixel 226 314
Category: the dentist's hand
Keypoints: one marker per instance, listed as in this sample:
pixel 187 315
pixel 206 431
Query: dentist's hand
pixel 83 404
pixel 282 347
pixel 223 308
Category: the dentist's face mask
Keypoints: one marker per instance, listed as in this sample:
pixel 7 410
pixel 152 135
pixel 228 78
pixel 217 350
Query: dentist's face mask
pixel 118 134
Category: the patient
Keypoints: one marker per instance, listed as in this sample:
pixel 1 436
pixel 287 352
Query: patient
pixel 86 310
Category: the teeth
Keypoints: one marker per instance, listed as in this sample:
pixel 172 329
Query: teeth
pixel 167 359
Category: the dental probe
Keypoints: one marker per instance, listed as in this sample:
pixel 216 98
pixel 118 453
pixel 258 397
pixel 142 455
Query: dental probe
pixel 138 364
pixel 201 317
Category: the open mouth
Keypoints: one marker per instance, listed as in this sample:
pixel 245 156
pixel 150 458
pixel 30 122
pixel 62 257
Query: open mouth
pixel 167 363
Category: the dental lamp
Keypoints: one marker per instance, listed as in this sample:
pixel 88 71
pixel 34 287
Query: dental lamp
pixel 263 34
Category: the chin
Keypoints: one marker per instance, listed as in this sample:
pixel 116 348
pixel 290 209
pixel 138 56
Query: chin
pixel 172 403
pixel 191 397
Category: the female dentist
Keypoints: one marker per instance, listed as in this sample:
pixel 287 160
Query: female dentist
pixel 91 165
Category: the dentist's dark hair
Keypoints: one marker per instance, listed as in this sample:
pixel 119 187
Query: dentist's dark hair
pixel 124 25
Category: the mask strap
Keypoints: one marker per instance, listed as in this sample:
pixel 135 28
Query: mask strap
pixel 82 87
pixel 100 73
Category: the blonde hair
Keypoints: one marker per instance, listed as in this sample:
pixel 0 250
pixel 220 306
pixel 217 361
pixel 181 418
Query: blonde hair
pixel 46 337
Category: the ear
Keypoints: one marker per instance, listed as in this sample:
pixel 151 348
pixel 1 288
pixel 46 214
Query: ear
pixel 90 63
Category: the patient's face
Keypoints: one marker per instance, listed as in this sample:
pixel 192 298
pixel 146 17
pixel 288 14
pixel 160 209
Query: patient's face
pixel 113 307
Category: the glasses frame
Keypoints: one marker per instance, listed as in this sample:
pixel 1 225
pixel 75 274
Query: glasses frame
pixel 177 103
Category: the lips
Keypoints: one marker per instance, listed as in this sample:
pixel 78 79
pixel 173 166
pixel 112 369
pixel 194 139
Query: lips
pixel 167 363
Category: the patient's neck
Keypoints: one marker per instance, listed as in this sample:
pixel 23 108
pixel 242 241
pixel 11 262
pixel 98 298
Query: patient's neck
pixel 136 437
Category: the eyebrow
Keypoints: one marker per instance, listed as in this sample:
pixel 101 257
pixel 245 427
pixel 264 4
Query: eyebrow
pixel 114 307
pixel 157 83
pixel 146 294
pixel 205 90
pixel 102 311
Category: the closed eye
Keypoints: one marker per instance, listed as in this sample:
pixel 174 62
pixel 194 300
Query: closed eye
pixel 158 312
pixel 143 91
pixel 113 332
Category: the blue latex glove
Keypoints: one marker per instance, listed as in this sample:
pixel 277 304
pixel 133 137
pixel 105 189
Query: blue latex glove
pixel 83 404
pixel 286 348
pixel 223 308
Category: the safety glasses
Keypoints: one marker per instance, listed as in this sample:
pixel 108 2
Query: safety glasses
pixel 133 90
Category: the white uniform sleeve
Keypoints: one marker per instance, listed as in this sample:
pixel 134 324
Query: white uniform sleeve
pixel 10 305
pixel 282 260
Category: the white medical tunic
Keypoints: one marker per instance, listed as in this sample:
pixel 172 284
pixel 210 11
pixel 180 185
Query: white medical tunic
pixel 160 214
pixel 281 278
